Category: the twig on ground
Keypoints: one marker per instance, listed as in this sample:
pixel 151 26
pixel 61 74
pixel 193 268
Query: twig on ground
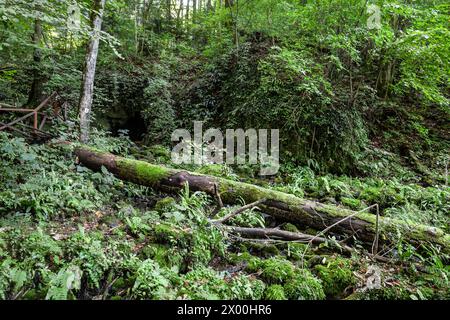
pixel 335 224
pixel 219 199
pixel 377 232
pixel 238 211
pixel 287 237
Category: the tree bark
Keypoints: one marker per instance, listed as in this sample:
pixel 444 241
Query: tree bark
pixel 278 204
pixel 169 13
pixel 87 89
pixel 187 10
pixel 194 10
pixel 270 233
pixel 35 94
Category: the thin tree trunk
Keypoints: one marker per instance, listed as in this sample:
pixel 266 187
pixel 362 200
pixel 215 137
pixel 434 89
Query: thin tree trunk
pixel 87 89
pixel 35 94
pixel 136 27
pixel 187 9
pixel 234 16
pixel 194 10
pixel 179 14
pixel 169 12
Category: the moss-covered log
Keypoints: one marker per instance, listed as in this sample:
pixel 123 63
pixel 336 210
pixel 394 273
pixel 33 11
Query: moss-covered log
pixel 278 204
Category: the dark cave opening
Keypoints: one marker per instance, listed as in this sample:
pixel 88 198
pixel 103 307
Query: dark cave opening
pixel 133 125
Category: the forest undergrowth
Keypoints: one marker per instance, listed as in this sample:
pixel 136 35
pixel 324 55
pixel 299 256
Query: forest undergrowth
pixel 70 233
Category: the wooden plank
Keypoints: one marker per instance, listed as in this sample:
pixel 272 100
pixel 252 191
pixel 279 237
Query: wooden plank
pixel 35 120
pixel 43 122
pixel 16 110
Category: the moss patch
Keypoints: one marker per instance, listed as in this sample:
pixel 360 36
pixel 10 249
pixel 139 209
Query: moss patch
pixel 304 286
pixel 289 227
pixel 276 270
pixel 252 263
pixel 212 169
pixel 336 275
pixel 354 204
pixel 143 171
pixel 274 292
pixel 261 249
pixel 164 204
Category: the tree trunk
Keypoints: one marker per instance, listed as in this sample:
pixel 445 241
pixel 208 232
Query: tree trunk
pixel 278 204
pixel 187 10
pixel 87 89
pixel 35 94
pixel 168 13
pixel 180 10
pixel 232 23
pixel 194 10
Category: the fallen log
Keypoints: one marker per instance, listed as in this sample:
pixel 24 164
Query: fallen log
pixel 278 204
pixel 271 233
pixel 268 235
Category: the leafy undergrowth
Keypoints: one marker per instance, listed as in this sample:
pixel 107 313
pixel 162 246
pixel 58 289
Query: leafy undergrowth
pixel 69 233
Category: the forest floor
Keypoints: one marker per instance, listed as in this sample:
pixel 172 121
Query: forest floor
pixel 70 233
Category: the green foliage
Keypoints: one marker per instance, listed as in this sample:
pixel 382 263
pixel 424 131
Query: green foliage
pixel 218 170
pixel 272 95
pixel 62 283
pixel 274 292
pixel 251 262
pixel 204 283
pixel 296 251
pixel 45 181
pixel 390 293
pixel 276 270
pixel 87 252
pixel 243 287
pixel 159 114
pixel 172 251
pixel 304 286
pixel 151 282
pixel 336 275
pixel 165 256
pixel 12 279
pixel 423 52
